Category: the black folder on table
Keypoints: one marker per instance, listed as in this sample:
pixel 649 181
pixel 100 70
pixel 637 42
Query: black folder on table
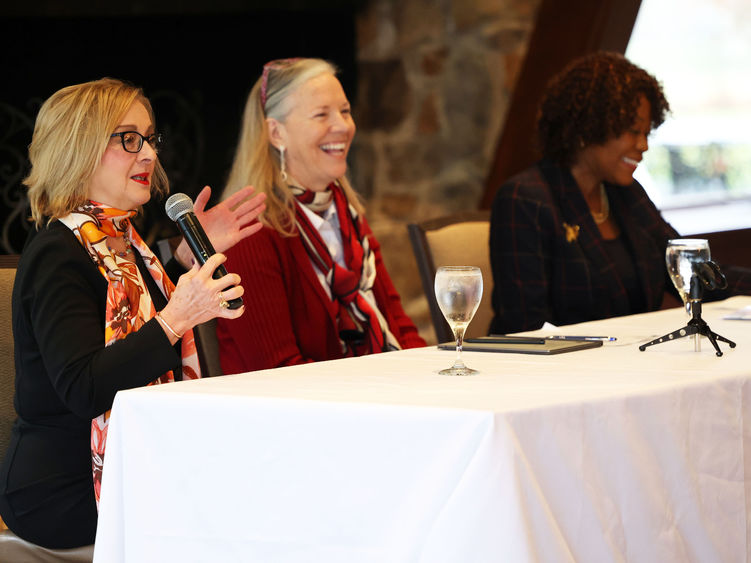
pixel 521 345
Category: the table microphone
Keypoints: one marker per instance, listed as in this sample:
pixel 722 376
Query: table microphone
pixel 709 274
pixel 179 208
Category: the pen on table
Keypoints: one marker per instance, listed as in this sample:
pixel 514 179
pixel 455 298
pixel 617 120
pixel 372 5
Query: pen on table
pixel 565 337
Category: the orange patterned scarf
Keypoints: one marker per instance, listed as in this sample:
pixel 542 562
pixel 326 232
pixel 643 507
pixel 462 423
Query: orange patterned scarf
pixel 129 304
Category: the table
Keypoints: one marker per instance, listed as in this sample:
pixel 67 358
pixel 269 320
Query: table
pixel 607 454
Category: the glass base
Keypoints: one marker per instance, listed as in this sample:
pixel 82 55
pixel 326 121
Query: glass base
pixel 458 371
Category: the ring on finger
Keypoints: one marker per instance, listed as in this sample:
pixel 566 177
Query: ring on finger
pixel 223 303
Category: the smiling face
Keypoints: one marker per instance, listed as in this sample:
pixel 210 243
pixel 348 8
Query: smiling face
pixel 616 160
pixel 316 133
pixel 123 179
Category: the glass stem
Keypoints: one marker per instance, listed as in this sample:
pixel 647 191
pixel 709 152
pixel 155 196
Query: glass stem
pixel 459 334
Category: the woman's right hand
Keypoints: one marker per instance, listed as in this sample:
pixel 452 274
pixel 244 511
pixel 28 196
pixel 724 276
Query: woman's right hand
pixel 198 297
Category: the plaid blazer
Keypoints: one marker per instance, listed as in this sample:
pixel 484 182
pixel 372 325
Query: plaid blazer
pixel 548 258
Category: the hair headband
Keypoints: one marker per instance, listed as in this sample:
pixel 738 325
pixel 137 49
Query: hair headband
pixel 276 64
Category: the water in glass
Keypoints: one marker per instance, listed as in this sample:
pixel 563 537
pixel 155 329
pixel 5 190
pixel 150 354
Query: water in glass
pixel 680 256
pixel 458 290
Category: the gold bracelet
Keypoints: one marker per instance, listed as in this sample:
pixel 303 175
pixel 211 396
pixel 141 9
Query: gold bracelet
pixel 166 325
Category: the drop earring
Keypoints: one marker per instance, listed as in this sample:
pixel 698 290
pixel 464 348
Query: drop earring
pixel 282 163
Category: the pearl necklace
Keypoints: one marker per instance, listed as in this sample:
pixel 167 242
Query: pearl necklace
pixel 602 216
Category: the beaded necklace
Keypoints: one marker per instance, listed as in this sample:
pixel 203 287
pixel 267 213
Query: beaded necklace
pixel 128 248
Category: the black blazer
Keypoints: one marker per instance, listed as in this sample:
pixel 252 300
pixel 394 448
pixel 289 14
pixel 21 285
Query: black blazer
pixel 65 376
pixel 548 258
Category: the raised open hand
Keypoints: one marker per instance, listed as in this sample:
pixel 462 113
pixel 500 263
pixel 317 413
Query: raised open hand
pixel 228 222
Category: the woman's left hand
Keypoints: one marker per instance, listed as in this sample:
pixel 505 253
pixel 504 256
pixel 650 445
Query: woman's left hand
pixel 228 222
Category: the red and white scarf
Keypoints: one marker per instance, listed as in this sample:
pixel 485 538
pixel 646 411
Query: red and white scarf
pixel 362 327
pixel 129 304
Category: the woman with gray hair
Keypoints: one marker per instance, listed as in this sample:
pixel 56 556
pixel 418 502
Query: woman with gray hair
pixel 320 288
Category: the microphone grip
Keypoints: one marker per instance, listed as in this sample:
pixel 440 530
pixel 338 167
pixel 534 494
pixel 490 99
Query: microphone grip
pixel 202 249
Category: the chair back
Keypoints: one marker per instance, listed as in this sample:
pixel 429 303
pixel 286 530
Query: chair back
pixel 461 239
pixel 8 264
pixel 207 346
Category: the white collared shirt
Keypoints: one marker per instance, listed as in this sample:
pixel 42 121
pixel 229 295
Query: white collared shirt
pixel 328 226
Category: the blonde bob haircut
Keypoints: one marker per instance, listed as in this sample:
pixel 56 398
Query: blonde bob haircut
pixel 257 161
pixel 71 133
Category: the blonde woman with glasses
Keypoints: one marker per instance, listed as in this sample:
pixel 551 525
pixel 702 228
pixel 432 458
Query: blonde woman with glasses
pixel 94 311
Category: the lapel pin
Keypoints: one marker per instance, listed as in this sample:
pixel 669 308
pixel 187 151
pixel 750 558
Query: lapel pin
pixel 572 232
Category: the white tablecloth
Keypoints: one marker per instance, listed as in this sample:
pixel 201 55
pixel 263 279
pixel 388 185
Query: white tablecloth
pixel 607 454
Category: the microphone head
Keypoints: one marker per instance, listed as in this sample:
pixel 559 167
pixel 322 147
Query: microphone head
pixel 178 205
pixel 709 274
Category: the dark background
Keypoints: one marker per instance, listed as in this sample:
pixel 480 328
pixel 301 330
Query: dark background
pixel 196 68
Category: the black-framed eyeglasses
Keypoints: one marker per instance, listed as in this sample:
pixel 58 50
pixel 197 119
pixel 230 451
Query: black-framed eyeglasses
pixel 133 141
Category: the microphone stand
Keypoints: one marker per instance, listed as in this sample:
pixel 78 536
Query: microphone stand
pixel 696 325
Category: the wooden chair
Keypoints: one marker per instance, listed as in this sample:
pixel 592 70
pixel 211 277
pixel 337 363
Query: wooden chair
pixel 7 366
pixel 12 548
pixel 461 239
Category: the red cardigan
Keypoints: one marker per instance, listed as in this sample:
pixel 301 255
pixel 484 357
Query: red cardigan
pixel 288 317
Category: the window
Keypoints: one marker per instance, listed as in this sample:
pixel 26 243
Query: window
pixel 698 167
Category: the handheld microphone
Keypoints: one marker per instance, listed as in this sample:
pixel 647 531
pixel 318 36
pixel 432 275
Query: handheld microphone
pixel 179 208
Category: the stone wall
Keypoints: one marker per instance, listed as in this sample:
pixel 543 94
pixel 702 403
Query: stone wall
pixel 435 78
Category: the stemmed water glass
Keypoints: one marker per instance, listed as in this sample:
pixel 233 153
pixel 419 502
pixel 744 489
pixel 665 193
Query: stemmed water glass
pixel 680 256
pixel 458 290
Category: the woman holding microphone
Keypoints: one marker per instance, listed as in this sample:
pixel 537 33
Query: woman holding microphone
pixel 94 312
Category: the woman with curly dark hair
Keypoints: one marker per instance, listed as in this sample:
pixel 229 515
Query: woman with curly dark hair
pixel 575 237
